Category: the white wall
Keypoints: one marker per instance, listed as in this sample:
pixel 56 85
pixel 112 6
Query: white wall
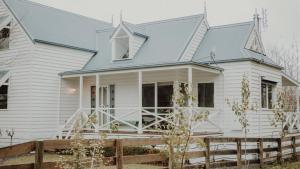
pixel 17 59
pixel 233 74
pixel 69 98
pixel 260 121
pixel 47 62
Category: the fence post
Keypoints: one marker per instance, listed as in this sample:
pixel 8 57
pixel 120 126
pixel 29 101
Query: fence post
pixel 239 153
pixel 261 152
pixel 39 153
pixel 119 154
pixel 279 151
pixel 294 148
pixel 207 153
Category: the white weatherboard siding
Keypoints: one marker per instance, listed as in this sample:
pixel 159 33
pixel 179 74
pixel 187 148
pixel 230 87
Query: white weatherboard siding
pixel 195 41
pixel 260 121
pixel 47 62
pixel 135 42
pixel 69 98
pixel 233 74
pixel 17 59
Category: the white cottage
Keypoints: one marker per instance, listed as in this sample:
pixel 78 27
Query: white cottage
pixel 56 67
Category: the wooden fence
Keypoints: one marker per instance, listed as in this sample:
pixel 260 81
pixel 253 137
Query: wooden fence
pixel 287 143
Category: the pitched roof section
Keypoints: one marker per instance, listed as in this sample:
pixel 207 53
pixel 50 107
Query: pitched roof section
pixel 228 44
pixel 166 41
pixel 49 25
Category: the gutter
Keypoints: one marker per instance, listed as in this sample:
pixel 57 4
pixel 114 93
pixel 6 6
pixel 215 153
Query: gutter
pixel 140 67
pixel 245 59
pixel 66 46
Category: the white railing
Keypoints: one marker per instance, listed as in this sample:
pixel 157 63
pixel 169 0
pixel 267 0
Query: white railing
pixel 292 121
pixel 132 119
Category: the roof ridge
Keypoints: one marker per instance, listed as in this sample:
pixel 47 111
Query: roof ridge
pixel 60 10
pixel 169 20
pixel 231 25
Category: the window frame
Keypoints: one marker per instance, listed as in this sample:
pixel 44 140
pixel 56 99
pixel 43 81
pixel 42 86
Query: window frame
pixel 213 95
pixel 6 84
pixel 9 36
pixel 114 42
pixel 268 86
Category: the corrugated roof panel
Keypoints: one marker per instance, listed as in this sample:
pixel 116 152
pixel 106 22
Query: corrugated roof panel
pixel 166 40
pixel 47 24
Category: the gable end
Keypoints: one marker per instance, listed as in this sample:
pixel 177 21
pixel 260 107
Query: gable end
pixel 195 41
pixel 254 42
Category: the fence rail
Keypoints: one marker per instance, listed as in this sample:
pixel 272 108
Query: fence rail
pixel 281 145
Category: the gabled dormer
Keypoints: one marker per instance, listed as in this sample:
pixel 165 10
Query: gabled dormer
pixel 254 42
pixel 126 42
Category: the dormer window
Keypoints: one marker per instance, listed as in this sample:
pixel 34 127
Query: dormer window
pixel 125 41
pixel 4 38
pixel 120 45
pixel 4 31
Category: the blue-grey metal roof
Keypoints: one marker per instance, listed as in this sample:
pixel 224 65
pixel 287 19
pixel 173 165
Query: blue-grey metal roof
pixel 166 40
pixel 228 44
pixel 49 25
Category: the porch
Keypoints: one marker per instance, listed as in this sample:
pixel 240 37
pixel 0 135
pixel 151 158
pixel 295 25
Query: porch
pixel 140 101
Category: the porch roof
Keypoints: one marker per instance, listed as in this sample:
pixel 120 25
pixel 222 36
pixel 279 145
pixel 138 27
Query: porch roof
pixel 190 63
pixel 288 80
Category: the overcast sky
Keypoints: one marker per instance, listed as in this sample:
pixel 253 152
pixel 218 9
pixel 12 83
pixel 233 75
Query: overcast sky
pixel 283 15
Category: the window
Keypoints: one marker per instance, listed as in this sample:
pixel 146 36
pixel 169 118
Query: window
pixel 267 89
pixel 206 94
pixel 4 38
pixel 3 96
pixel 165 94
pixel 148 99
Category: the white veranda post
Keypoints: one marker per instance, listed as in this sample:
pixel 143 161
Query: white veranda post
pixel 80 91
pixel 140 83
pixel 297 99
pixel 190 85
pixel 97 98
pixel 190 90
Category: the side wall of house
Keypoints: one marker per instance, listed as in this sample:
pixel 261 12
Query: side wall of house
pixel 47 63
pixel 17 59
pixel 232 77
pixel 260 120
